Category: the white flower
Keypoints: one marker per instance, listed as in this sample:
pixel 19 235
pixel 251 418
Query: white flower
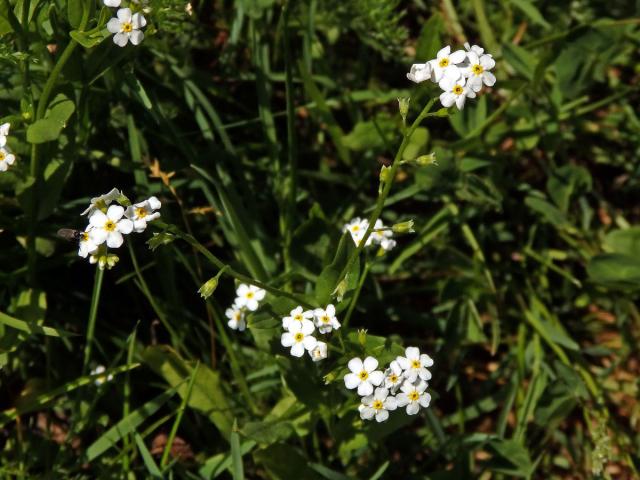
pixel 475 49
pixel 379 404
pixel 445 64
pixel 393 376
pixel 100 380
pixel 249 296
pixel 299 337
pixel 86 244
pixel 325 319
pixel 363 375
pixel 4 133
pixel 478 71
pixel 112 3
pixel 383 237
pixel 143 212
pixel 109 227
pixel 455 91
pixel 415 365
pixel 319 352
pixel 103 201
pixel 419 72
pixel 296 315
pixel 357 228
pixel 6 158
pixel 413 396
pixel 235 315
pixel 126 27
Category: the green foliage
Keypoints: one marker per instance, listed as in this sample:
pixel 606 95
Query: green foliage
pixel 263 126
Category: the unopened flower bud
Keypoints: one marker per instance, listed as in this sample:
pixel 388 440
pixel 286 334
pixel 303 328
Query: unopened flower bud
pixel 403 106
pixel 340 290
pixel 385 176
pixel 362 337
pixel 403 227
pixel 207 289
pixel 426 160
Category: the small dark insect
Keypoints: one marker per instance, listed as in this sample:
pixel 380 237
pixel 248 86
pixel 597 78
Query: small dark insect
pixel 70 234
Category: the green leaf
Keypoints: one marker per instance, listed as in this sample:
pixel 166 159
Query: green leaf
pixel 237 469
pixel 532 12
pixel 625 241
pixel 90 39
pixel 548 211
pixel 429 41
pixel 284 462
pixel 49 128
pixel 127 425
pixel 55 175
pixel 31 327
pixel 566 181
pixel 511 458
pixel 326 282
pixel 615 270
pixel 218 464
pixel 520 59
pixel 75 9
pixel 147 458
pixel 207 396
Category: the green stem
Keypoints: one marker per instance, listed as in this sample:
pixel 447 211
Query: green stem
pixel 231 272
pixel 93 314
pixel 356 295
pixel 34 166
pixel 291 146
pixel 147 293
pixel 176 422
pixel 387 188
pixel 126 407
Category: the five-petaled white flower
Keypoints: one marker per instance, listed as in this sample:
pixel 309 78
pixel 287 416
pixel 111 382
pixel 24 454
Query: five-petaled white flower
pixel 86 244
pixel 445 64
pixel 109 227
pixel 393 376
pixel 383 237
pixel 296 315
pixel 415 365
pixel 4 133
pixel 143 212
pixel 363 375
pixel 455 91
pixel 379 404
pixel 126 27
pixel 478 71
pixel 235 315
pixel 325 319
pixel 299 337
pixel 319 352
pixel 357 228
pixel 419 72
pixel 249 296
pixel 6 159
pixel 103 378
pixel 413 396
pixel 103 201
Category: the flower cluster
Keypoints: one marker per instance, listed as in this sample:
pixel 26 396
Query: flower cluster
pixel 126 25
pixel 299 327
pixel 6 157
pixel 402 384
pixel 248 297
pixel 99 370
pixel 460 74
pixel 380 235
pixel 108 223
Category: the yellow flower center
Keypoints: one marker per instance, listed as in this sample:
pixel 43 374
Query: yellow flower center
pixel 377 405
pixel 84 236
pixel 355 228
pixel 298 337
pixel 110 226
pixel 236 316
pixel 298 317
pixel 249 295
pixel 127 27
pixel 363 375
pixel 141 212
pixel 444 62
pixel 325 319
pixel 415 364
pixel 457 89
pixel 414 396
pixel 393 378
pixel 477 69
pixel 2 156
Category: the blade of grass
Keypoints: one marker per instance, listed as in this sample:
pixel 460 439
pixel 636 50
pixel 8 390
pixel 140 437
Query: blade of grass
pixel 147 458
pixel 237 469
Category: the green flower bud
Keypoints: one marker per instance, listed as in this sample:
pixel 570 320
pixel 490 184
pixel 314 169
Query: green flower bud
pixel 362 337
pixel 403 106
pixel 426 160
pixel 207 289
pixel 403 227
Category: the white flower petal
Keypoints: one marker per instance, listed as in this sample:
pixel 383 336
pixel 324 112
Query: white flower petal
pixel 113 25
pixel 425 400
pixel 370 364
pixel 412 353
pixel 382 415
pixel 309 342
pixel 287 339
pixel 98 219
pixel 487 62
pixel 458 57
pixel 297 350
pixel 120 39
pixel 367 413
pixel 136 36
pixel 124 15
pixel 413 408
pixel 98 236
pixel 376 378
pixel 138 20
pixel 351 380
pixel 489 79
pixel 402 399
pixel 115 212
pixel 355 365
pixel 114 239
pixel 365 388
pixel 443 52
pixel 125 226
